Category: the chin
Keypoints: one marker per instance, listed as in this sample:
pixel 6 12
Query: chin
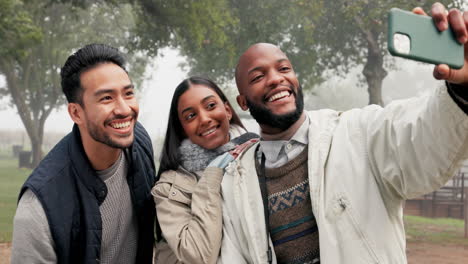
pixel 210 147
pixel 284 111
pixel 213 145
pixel 120 143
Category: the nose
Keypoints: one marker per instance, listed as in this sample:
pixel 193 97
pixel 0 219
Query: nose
pixel 274 78
pixel 205 118
pixel 122 107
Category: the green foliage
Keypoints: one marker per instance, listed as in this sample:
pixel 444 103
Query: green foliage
pixel 112 24
pixel 212 34
pixel 347 28
pixel 191 24
pixel 63 28
pixel 322 38
pixel 32 70
pixel 278 22
pixel 17 30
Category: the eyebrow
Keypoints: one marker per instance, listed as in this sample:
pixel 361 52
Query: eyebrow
pixel 104 91
pixel 259 67
pixel 203 100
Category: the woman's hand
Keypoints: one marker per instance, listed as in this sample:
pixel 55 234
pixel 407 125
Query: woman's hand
pixel 223 160
pixel 240 148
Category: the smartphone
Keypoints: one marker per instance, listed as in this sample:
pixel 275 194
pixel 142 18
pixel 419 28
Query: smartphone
pixel 416 37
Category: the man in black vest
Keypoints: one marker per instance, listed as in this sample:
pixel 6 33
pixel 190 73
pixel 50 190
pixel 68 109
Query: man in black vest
pixel 89 200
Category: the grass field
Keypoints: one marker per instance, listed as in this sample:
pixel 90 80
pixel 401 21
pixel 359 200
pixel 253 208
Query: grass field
pixel 445 231
pixel 11 179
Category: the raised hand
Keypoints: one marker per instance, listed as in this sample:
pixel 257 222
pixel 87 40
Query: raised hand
pixel 458 21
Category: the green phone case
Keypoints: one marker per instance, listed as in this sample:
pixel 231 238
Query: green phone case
pixel 427 43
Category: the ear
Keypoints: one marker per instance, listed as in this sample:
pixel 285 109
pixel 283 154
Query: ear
pixel 228 110
pixel 76 113
pixel 242 102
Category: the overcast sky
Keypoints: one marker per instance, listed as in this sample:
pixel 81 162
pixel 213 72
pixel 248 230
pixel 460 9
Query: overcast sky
pixel 412 79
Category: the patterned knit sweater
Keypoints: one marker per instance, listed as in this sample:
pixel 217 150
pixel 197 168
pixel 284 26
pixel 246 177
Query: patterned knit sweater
pixel 291 221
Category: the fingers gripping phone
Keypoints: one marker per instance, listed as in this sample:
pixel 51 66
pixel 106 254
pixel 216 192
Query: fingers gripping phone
pixel 416 37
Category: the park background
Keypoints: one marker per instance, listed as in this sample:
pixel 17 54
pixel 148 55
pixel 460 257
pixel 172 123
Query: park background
pixel 338 49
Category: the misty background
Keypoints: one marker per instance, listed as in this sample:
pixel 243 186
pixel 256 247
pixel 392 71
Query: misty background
pixel 411 79
pixel 338 49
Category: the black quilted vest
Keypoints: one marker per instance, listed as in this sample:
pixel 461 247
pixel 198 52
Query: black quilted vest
pixel 70 193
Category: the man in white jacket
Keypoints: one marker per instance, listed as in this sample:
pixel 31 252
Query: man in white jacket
pixel 329 187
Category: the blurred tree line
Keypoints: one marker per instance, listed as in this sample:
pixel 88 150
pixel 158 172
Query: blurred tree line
pixel 322 38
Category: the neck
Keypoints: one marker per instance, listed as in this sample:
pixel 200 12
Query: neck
pixel 101 156
pixel 272 134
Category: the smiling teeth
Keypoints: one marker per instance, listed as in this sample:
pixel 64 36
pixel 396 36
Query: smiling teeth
pixel 278 96
pixel 209 131
pixel 120 125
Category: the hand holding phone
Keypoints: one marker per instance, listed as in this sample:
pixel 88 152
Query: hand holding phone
pixel 416 37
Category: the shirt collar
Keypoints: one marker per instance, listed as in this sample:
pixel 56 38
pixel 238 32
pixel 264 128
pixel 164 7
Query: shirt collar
pixel 272 148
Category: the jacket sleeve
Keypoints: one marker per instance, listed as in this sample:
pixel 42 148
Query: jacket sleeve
pixel 459 95
pixel 191 223
pixel 32 240
pixel 414 146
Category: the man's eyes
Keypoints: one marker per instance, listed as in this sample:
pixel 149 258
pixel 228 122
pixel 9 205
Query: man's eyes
pixel 256 78
pixel 106 98
pixel 109 97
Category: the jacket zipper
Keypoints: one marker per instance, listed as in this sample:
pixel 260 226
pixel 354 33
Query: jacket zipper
pixel 343 204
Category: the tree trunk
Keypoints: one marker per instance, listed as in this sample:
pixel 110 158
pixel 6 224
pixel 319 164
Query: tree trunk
pixel 36 148
pixel 374 73
pixel 33 118
pixel 373 70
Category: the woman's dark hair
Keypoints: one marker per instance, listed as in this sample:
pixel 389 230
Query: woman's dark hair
pixel 175 133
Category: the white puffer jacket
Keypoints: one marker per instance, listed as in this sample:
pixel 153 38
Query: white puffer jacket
pixel 362 165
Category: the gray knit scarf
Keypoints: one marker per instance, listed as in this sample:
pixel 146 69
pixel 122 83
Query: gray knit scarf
pixel 195 158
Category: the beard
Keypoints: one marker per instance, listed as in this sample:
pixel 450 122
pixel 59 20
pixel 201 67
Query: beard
pixel 104 138
pixel 264 116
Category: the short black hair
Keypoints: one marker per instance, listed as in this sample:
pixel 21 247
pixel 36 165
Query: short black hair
pixel 82 60
pixel 175 133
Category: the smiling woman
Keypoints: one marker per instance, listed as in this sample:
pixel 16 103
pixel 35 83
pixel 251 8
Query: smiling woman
pixel 204 116
pixel 202 126
pixel 176 133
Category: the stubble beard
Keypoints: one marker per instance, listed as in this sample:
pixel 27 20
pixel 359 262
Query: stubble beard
pixel 105 138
